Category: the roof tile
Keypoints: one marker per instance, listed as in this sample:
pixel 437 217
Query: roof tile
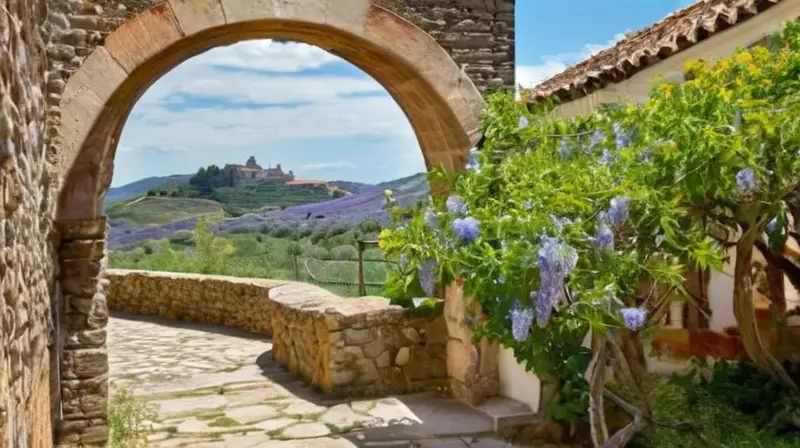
pixel 641 49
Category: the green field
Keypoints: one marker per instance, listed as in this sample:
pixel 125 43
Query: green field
pixel 267 194
pixel 329 263
pixel 149 210
pixel 184 202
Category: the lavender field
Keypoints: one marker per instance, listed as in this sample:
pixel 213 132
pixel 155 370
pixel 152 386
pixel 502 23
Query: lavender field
pixel 346 211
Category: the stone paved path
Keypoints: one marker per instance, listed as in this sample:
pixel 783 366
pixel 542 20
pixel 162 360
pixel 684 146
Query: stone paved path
pixel 213 387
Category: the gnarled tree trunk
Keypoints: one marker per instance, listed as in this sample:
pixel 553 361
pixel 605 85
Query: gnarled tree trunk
pixel 745 312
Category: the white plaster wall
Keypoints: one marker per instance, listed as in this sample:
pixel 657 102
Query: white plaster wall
pixel 720 300
pixel 637 88
pixel 516 383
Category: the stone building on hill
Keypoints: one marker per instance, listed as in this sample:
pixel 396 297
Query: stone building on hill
pixel 252 173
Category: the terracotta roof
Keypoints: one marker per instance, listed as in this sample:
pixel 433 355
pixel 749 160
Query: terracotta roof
pixel 641 49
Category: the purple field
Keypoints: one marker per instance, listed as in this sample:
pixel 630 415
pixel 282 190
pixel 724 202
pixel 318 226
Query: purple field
pixel 348 210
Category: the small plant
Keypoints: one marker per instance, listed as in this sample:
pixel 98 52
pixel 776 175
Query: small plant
pixel 128 420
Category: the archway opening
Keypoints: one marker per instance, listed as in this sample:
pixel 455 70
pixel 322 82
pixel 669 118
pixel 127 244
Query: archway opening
pixel 284 149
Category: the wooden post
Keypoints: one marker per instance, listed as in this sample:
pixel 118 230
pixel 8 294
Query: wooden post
pixel 362 287
pixel 296 271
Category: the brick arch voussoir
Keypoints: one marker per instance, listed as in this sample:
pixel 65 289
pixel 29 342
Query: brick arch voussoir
pixel 439 100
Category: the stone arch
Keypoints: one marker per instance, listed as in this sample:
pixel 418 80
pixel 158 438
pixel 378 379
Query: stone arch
pixel 440 101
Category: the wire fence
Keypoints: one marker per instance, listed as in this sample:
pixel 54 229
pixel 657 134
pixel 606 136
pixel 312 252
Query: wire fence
pixel 360 276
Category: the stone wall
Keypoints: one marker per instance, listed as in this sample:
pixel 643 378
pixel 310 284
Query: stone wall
pixel 473 367
pixel 343 346
pixel 26 210
pixel 479 34
pixel 356 347
pixel 84 315
pixel 240 303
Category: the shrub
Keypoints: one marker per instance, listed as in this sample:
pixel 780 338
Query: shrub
pixel 182 238
pixel 317 236
pixel 337 229
pixel 370 226
pixel 283 231
pixel 344 253
pixel 317 252
pixel 128 420
pixel 561 225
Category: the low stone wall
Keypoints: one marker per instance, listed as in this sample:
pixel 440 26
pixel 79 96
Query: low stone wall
pixel 343 346
pixel 356 347
pixel 241 303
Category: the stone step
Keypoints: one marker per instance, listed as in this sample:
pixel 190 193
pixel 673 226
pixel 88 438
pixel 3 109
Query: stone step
pixel 506 412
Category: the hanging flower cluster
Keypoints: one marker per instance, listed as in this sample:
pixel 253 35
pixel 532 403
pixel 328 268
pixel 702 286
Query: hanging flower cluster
pixel 556 260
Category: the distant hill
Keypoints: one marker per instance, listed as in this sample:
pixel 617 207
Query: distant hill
pixel 352 187
pixel 141 186
pixel 416 183
pixel 147 210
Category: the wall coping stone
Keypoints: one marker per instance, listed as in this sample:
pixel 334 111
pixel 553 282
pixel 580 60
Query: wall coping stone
pixel 267 283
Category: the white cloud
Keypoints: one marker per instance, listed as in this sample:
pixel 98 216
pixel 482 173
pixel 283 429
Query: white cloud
pixel 531 75
pixel 328 165
pixel 268 55
pixel 213 113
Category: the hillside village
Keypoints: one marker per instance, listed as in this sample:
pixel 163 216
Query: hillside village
pixel 252 173
pixel 239 188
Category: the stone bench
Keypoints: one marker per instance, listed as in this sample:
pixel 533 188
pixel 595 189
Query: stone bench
pixel 342 346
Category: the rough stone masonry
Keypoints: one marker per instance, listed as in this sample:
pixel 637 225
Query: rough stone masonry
pixel 478 34
pixel 27 198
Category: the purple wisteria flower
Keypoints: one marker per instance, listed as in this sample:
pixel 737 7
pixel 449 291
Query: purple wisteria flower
pixel 604 238
pixel 456 205
pixel 746 180
pixel 467 229
pixel 523 122
pixel 521 321
pixel 427 276
pixel 500 280
pixel 559 223
pixel 596 138
pixel 472 162
pixel 633 318
pixel 417 301
pixel 402 261
pixel 556 261
pixel 607 158
pixel 528 205
pixel 621 138
pixel 618 211
pixel 565 148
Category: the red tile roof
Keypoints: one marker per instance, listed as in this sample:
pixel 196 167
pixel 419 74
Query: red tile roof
pixel 641 49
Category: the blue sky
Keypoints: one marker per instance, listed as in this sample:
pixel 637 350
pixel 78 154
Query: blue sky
pixel 320 116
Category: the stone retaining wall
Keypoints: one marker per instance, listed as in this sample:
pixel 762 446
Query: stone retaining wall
pixel 343 346
pixel 356 347
pixel 240 303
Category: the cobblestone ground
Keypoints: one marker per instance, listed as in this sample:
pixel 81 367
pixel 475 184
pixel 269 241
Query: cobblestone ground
pixel 213 387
